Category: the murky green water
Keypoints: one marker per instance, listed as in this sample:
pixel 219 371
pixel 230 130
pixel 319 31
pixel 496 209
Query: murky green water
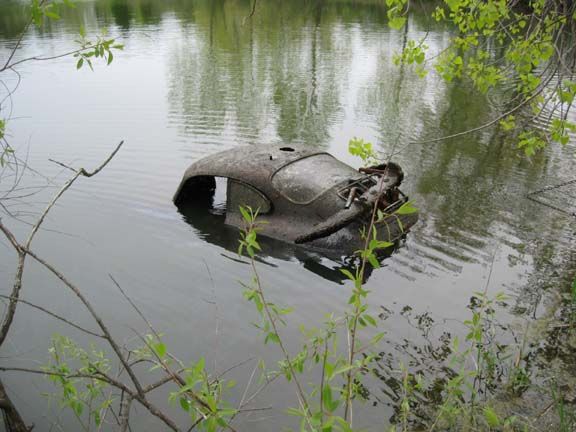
pixel 197 77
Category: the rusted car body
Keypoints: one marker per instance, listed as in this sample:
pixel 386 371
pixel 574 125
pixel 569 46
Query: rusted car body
pixel 304 196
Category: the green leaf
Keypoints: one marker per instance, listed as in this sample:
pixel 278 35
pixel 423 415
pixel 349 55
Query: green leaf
pixel 295 412
pixel 396 22
pixel 80 63
pixel 245 214
pixel 272 337
pixel 199 367
pixel 362 149
pixel 160 349
pixel 36 13
pixel 373 261
pixel 348 274
pixel 110 57
pixel 343 369
pixel 78 407
pixel 406 208
pixel 377 338
pixel 327 396
pixel 491 417
pixel 51 13
pixel 185 404
pixel 370 320
pixel 379 244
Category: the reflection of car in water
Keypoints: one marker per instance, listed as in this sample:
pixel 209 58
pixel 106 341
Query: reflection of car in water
pixel 314 205
pixel 208 220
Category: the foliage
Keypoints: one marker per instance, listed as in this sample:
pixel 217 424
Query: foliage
pixel 566 414
pixel 475 366
pixel 363 149
pixel 100 48
pixel 199 394
pixel 82 391
pixel 526 47
pixel 478 366
pixel 248 235
pixel 464 398
pixel 326 405
pixel 41 10
pixel 86 50
pixel 320 407
pixel 413 54
pixel 397 11
pixel 5 149
pixel 45 9
pixel 87 387
pixel 460 406
pixel 211 391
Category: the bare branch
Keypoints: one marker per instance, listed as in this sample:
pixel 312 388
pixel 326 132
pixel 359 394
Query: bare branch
pixel 104 378
pixel 63 165
pixel 15 423
pixel 18 42
pixel 125 413
pixel 10 237
pixel 97 318
pixel 138 311
pixel 52 314
pixel 101 167
pixel 21 250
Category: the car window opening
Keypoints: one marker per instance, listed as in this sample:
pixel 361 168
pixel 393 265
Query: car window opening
pixel 220 195
pixel 219 200
pixel 204 192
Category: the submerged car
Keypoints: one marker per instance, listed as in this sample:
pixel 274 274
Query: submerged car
pixel 304 196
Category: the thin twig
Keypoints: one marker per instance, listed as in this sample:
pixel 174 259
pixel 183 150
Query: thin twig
pixel 52 314
pixel 107 335
pixel 22 250
pixel 301 395
pixel 479 128
pixel 352 332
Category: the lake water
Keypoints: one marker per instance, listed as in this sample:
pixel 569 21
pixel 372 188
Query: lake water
pixel 197 77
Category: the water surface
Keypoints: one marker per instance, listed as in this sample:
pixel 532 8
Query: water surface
pixel 197 77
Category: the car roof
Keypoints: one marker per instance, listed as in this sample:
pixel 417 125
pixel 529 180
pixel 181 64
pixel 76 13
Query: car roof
pixel 253 164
